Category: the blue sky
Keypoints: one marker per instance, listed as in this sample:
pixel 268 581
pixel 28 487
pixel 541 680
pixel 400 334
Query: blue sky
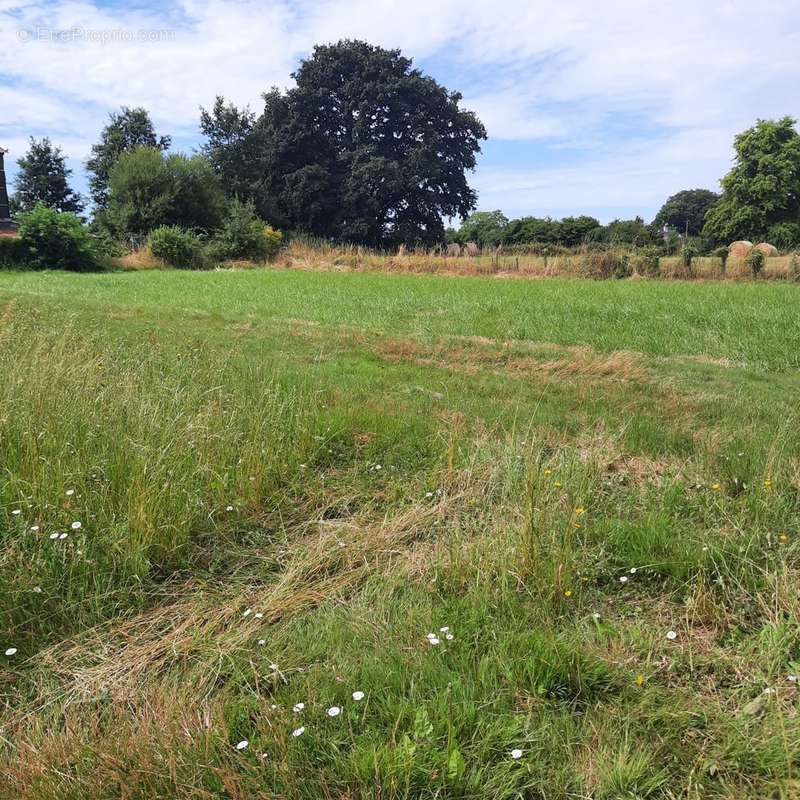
pixel 599 108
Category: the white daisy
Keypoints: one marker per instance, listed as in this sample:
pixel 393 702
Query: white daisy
pixel 16 512
pixel 449 637
pixel 334 711
pixel 444 629
pixel 229 508
pixel 63 535
pixel 623 579
pixel 242 745
pixel 672 636
pixel 298 732
pixel 633 570
pixel 433 640
pixel 273 667
pixel 595 615
pixel 54 535
pixel 76 526
pixel 11 651
pixel 262 642
pixel 70 492
pixel 358 696
pixel 516 753
pixel 34 528
pixel 298 707
pixel 247 612
pixel 259 614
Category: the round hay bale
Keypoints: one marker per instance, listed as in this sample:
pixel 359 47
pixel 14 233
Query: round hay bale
pixel 740 249
pixel 767 249
pixel 471 249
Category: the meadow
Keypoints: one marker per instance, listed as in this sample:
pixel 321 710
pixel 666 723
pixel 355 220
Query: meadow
pixel 301 534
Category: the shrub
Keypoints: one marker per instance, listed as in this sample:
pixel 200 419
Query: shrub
pixel 648 262
pixel 755 260
pixel 605 264
pixel 722 254
pixel 13 254
pixel 177 247
pixel 784 235
pixel 56 240
pixel 244 236
pixel 688 252
pixel 794 268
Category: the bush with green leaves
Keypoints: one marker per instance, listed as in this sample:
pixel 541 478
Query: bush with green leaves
pixel 13 254
pixel 56 240
pixel 648 262
pixel 755 260
pixel 784 235
pixel 178 247
pixel 244 236
pixel 688 252
pixel 722 254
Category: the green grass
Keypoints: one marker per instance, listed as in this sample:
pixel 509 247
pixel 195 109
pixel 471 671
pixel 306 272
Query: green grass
pixel 285 480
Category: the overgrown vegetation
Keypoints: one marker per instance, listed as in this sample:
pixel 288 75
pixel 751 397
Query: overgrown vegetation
pixel 272 534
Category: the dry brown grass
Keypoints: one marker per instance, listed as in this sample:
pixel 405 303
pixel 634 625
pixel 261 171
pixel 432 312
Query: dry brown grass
pixel 299 255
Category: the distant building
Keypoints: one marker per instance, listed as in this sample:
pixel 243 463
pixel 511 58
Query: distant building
pixel 7 225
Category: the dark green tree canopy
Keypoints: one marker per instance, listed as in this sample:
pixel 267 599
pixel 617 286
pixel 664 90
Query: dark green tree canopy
pixel 148 189
pixel 688 207
pixel 364 148
pixel 763 188
pixel 43 178
pixel 485 228
pixel 128 129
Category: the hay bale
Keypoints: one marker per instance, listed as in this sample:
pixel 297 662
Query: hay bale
pixel 471 249
pixel 454 249
pixel 740 249
pixel 768 250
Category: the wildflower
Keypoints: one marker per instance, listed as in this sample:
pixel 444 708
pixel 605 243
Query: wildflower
pixel 247 612
pixel 595 616
pixel 242 745
pixel 334 711
pixel 516 753
pixel 357 696
pixel 34 528
pixel 259 614
pixel 623 579
pixel 298 707
pixel 444 629
pixel 298 731
pixel 548 472
pixel 449 637
pixel 273 666
pixel 11 651
pixel 37 589
pixel 54 535
pixel 16 512
pixel 716 486
pixel 557 484
pixel 783 538
pixel 62 536
pixel 633 570
pixel 579 510
pixel 767 483
pixel 70 492
pixel 640 680
pixel 705 548
pixel 568 593
pixel 791 678
pixel 433 640
pixel 262 642
pixel 76 526
pixel 229 508
pixel 672 636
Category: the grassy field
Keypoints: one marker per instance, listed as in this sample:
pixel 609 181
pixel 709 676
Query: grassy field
pixel 549 529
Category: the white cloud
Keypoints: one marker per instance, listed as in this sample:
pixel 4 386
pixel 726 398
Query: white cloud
pixel 572 75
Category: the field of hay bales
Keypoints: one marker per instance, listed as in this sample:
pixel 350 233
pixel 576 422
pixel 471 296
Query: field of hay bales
pixel 293 533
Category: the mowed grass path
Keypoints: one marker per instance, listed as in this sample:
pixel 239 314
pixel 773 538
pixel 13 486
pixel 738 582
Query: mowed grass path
pixel 754 324
pixel 286 483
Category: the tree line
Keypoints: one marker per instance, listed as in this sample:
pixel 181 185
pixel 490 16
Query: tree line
pixel 366 149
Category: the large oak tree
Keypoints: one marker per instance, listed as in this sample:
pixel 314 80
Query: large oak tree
pixel 364 148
